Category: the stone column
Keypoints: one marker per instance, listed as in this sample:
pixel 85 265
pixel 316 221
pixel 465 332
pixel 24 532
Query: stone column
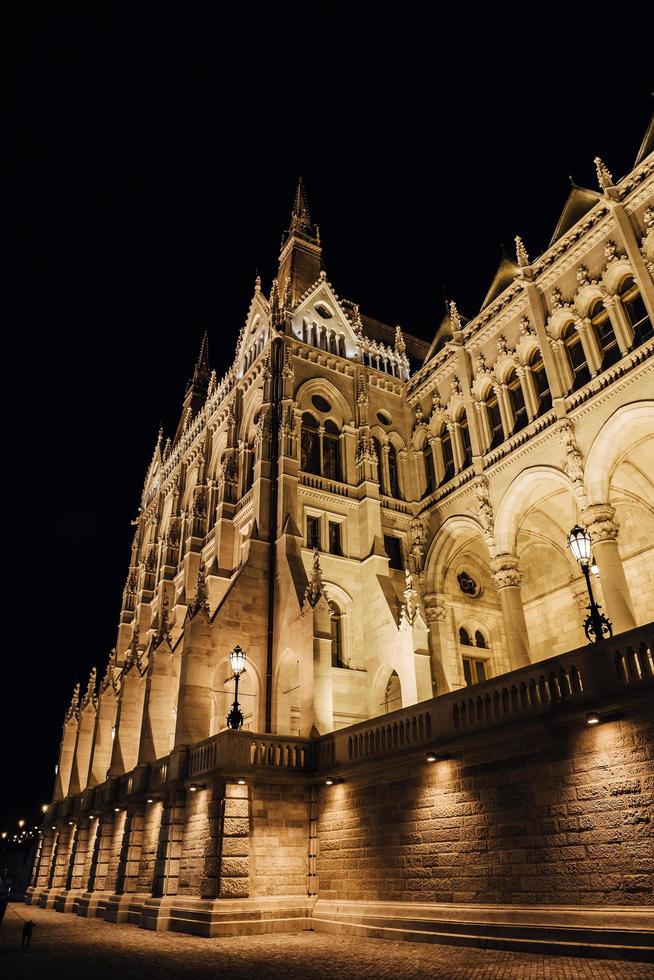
pixel 600 521
pixel 42 871
pixel 64 843
pixel 235 852
pixel 506 573
pixel 169 848
pixel 101 852
pixel 130 851
pixel 436 613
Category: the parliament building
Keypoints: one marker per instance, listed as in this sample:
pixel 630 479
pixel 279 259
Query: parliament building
pixel 381 525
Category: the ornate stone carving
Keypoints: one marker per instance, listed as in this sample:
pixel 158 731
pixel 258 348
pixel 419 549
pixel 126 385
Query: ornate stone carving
pixel 201 600
pixel 454 316
pixel 482 493
pixel 89 695
pixel 362 391
pixel 506 571
pixel 366 452
pixel 400 346
pixel 521 252
pixel 526 329
pixel 573 464
pixel 604 176
pixel 435 608
pixel 417 552
pixel 582 275
pixel 409 609
pixel 163 624
pixel 601 523
pixel 73 707
pixel 648 218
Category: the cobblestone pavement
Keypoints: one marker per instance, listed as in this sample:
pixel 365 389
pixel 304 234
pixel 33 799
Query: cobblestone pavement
pixel 65 946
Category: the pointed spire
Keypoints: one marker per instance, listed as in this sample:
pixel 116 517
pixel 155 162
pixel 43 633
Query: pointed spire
pixel 73 707
pixel 300 210
pixel 201 601
pixel 521 252
pixel 604 176
pixel 299 260
pixel 454 316
pixel 315 589
pixel 400 346
pixel 90 687
pixel 202 370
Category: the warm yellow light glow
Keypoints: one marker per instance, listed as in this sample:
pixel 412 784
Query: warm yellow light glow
pixel 592 718
pixel 21 823
pixel 44 808
pixel 329 781
pixel 431 757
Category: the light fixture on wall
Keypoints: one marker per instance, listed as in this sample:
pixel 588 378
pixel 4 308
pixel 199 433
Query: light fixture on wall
pixel 237 660
pixel 596 626
pixel 149 800
pixel 241 782
pixel 592 718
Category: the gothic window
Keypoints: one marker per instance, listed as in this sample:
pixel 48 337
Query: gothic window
pixel 541 382
pixel 464 636
pixel 464 434
pixel 310 445
pixel 495 421
pixel 336 622
pixel 313 532
pixel 448 458
pixel 572 340
pixel 517 399
pixel 335 538
pixel 474 671
pixel 480 640
pixel 430 472
pixel 330 452
pixel 380 465
pixel 249 469
pixel 634 307
pixel 393 480
pixel 393 548
pixel 605 334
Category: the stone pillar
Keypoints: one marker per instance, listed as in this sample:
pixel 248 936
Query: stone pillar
pixel 101 852
pixel 436 613
pixel 323 698
pixel 210 881
pixel 235 850
pixel 169 848
pixel 603 528
pixel 44 863
pixel 64 844
pixel 506 573
pixel 130 851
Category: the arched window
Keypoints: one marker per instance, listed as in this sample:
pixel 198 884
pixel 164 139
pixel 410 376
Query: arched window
pixel 541 382
pixel 480 640
pixel 310 445
pixel 448 458
pixel 249 469
pixel 634 307
pixel 464 432
pixel 380 463
pixel 599 317
pixel 430 472
pixel 572 340
pixel 464 636
pixel 331 463
pixel 393 480
pixel 335 619
pixel 517 399
pixel 495 421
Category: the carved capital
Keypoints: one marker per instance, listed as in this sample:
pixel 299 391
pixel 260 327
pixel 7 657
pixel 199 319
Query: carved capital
pixel 601 523
pixel 506 571
pixel 435 608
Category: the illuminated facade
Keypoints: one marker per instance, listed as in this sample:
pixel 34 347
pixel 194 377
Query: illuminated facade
pixel 377 521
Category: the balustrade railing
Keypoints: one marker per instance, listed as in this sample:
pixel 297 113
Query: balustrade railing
pixel 594 674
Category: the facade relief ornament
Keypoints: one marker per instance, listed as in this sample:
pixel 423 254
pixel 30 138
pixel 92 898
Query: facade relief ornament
pixel 604 175
pixel 521 252
pixel 506 571
pixel 89 696
pixel 611 253
pixel 582 276
pixel 435 608
pixel 201 601
pixel 73 707
pixel 400 346
pixel 573 463
pixel 526 329
pixel 486 518
pixel 409 610
pixel 648 218
pixel 417 551
pixel 454 316
pixel 601 523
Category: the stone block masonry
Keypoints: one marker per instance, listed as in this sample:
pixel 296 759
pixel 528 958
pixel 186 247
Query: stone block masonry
pixel 541 814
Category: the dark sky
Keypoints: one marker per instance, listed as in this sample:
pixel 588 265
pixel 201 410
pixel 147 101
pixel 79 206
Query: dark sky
pixel 152 153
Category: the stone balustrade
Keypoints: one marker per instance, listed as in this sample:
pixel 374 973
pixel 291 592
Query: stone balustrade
pixel 578 680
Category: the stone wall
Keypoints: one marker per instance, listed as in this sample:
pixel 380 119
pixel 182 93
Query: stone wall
pixel 558 814
pixel 279 839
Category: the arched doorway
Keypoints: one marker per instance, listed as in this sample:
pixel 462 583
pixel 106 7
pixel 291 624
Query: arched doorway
pixel 392 698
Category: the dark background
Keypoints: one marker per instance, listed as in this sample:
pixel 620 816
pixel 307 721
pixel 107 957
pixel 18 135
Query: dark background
pixel 152 153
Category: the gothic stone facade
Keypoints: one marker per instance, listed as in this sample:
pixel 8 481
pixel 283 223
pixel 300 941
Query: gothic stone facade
pixel 378 523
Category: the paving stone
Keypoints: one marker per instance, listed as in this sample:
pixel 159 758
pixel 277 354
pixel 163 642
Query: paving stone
pixel 66 946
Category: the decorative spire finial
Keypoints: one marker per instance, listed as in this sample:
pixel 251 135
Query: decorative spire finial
pixel 454 316
pixel 604 176
pixel 521 252
pixel 400 346
pixel 73 707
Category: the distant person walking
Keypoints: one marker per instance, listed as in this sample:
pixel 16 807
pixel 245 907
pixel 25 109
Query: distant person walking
pixel 5 888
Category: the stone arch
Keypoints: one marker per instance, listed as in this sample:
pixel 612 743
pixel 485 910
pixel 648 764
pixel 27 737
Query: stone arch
pixel 505 364
pixel 340 412
pixel 517 498
pixel 254 402
pixel 586 296
pixel 627 426
pixel 386 673
pixel 452 536
pixel 615 275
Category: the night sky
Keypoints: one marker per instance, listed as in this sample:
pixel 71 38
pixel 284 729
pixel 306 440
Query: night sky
pixel 152 153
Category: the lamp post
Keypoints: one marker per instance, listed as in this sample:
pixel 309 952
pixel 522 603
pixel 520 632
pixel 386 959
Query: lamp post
pixel 596 626
pixel 237 661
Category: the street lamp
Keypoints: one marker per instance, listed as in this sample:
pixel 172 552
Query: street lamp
pixel 237 661
pixel 596 626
